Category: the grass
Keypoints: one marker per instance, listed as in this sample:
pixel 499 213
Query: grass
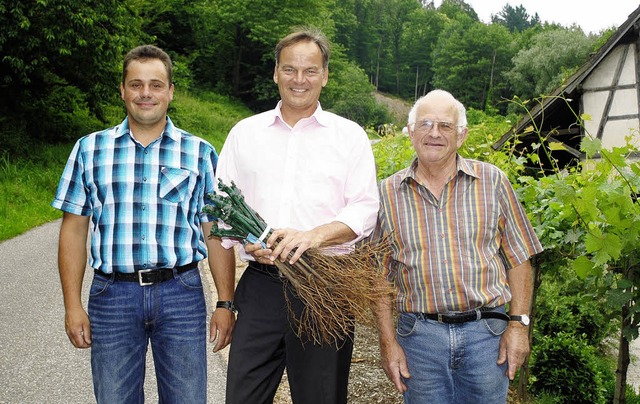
pixel 27 188
pixel 28 184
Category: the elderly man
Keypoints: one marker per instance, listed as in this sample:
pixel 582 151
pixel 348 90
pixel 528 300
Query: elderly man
pixel 461 244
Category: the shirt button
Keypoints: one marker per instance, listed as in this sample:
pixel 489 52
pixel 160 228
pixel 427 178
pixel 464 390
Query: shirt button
pixel 143 237
pixel 144 179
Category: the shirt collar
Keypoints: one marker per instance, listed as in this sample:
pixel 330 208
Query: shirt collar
pixel 319 115
pixel 464 166
pixel 169 130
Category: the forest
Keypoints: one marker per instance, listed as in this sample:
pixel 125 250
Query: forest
pixel 61 59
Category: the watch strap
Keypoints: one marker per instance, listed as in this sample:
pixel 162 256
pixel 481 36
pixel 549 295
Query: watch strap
pixel 226 304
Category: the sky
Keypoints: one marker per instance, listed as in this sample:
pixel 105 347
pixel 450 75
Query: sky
pixel 592 16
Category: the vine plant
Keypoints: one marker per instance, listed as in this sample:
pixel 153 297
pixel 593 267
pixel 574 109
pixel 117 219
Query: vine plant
pixel 589 217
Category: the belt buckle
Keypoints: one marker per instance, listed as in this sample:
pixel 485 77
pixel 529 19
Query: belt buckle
pixel 440 318
pixel 144 271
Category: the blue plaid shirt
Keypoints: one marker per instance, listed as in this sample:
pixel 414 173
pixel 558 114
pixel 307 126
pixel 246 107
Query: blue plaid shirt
pixel 145 203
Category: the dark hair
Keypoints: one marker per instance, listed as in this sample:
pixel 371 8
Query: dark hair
pixel 303 34
pixel 146 52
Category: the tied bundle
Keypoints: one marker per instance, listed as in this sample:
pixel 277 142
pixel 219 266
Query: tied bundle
pixel 337 289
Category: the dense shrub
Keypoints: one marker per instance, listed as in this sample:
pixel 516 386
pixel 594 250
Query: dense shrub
pixel 566 308
pixel 566 366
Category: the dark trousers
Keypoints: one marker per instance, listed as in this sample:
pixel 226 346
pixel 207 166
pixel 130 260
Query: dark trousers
pixel 264 344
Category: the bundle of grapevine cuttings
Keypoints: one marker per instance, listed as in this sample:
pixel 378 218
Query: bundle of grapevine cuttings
pixel 337 290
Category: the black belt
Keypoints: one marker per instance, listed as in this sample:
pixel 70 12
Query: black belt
pixel 146 277
pixel 269 269
pixel 463 317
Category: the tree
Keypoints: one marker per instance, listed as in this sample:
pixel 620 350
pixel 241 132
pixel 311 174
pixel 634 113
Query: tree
pixel 238 37
pixel 456 8
pixel 60 56
pixel 418 40
pixel 552 55
pixel 515 19
pixel 469 60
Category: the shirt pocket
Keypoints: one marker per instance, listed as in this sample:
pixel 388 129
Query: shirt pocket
pixel 175 184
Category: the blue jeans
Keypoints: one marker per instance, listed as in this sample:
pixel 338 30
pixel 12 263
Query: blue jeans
pixel 453 363
pixel 126 316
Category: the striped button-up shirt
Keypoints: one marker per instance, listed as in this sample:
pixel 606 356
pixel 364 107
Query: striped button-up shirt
pixel 453 254
pixel 145 203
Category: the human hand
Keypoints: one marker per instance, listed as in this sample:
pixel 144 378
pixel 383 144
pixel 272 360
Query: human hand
pixel 259 253
pixel 290 244
pixel 514 348
pixel 78 328
pixel 394 363
pixel 221 328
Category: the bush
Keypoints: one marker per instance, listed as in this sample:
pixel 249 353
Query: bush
pixel 565 308
pixel 566 367
pixel 392 153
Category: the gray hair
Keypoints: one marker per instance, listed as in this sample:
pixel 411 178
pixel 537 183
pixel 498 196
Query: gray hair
pixel 462 112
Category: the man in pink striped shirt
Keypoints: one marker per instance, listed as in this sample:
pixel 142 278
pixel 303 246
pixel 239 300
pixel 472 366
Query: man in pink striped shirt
pixel 461 244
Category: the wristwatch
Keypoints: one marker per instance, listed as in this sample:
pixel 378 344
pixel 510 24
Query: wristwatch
pixel 523 319
pixel 226 304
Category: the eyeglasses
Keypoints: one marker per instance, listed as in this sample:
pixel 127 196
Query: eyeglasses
pixel 426 126
pixel 309 73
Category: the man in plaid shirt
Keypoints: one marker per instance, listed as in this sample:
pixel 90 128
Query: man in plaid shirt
pixel 139 188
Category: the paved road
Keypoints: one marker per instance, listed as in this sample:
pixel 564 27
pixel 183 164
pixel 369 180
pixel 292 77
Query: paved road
pixel 38 364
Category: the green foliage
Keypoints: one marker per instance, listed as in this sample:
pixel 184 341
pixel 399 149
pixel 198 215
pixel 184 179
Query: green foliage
pixel 392 153
pixel 587 218
pixel 552 55
pixel 27 186
pixel 516 19
pixel 207 115
pixel 570 307
pixel 349 94
pixel 469 61
pixel 53 46
pixel 237 39
pixel 567 368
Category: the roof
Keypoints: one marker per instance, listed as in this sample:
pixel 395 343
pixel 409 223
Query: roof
pixel 571 86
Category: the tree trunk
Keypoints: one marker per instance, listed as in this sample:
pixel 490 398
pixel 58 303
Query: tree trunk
pixel 620 394
pixel 378 65
pixel 415 96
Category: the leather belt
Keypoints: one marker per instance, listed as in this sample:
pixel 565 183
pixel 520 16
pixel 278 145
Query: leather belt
pixel 463 317
pixel 146 277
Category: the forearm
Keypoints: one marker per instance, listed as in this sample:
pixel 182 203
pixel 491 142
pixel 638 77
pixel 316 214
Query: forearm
pixel 222 262
pixel 333 233
pixel 384 319
pixel 520 283
pixel 72 258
